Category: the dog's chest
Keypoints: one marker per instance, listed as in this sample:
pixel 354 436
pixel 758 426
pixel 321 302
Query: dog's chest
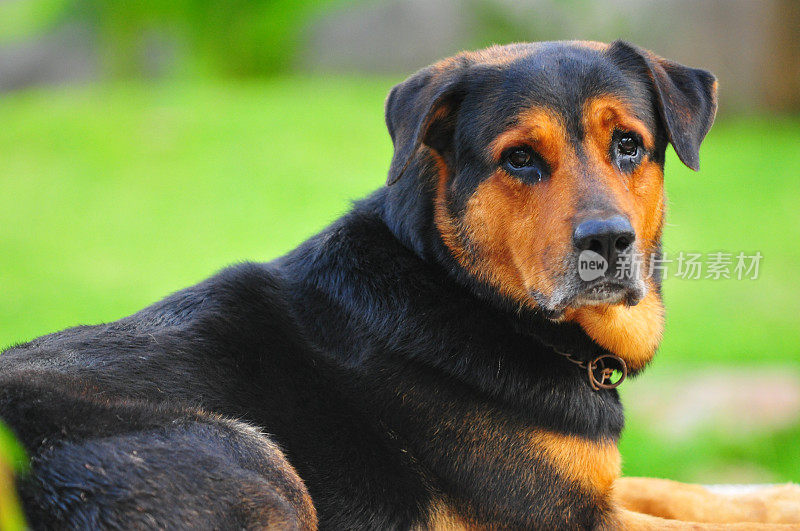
pixel 494 470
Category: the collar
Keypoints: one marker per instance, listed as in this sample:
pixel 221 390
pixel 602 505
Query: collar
pixel 602 369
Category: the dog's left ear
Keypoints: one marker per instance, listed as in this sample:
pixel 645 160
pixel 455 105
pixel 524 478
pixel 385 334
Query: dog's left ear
pixel 420 110
pixel 687 97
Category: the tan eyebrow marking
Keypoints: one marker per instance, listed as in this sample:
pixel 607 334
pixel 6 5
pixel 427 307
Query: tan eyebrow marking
pixel 539 128
pixel 603 114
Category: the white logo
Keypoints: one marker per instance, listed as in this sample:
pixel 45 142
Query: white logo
pixel 591 265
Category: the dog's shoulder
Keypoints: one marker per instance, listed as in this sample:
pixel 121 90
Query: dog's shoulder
pixel 240 290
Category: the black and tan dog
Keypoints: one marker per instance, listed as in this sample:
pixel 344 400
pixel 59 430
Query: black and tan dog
pixel 428 360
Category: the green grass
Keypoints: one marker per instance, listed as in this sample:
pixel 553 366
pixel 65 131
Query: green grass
pixel 745 198
pixel 114 197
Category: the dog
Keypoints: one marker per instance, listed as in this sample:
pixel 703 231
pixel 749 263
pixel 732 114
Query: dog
pixel 432 360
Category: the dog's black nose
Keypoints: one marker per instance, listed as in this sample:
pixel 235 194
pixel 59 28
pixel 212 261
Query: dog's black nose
pixel 606 237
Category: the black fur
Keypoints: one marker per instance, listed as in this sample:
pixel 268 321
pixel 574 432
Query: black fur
pixel 387 375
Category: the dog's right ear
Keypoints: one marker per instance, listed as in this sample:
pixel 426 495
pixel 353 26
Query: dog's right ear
pixel 422 109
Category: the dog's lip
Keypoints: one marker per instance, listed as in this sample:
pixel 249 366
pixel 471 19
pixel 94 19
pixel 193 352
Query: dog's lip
pixel 606 292
pixel 591 297
pixel 602 289
pixel 593 293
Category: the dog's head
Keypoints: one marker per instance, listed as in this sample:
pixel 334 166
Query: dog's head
pixel 542 165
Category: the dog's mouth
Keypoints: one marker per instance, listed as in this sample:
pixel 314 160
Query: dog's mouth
pixel 578 294
pixel 607 292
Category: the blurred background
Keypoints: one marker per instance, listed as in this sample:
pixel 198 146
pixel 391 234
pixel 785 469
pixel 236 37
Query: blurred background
pixel 144 145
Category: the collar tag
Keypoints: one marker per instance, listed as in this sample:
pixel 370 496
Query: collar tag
pixel 601 371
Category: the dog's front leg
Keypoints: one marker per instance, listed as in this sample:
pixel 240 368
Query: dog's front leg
pixel 694 503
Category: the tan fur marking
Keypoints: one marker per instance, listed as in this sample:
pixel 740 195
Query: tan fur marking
pixel 538 128
pixel 601 114
pixel 593 464
pixel 632 333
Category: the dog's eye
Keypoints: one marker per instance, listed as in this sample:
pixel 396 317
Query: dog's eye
pixel 627 145
pixel 626 150
pixel 519 158
pixel 523 163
